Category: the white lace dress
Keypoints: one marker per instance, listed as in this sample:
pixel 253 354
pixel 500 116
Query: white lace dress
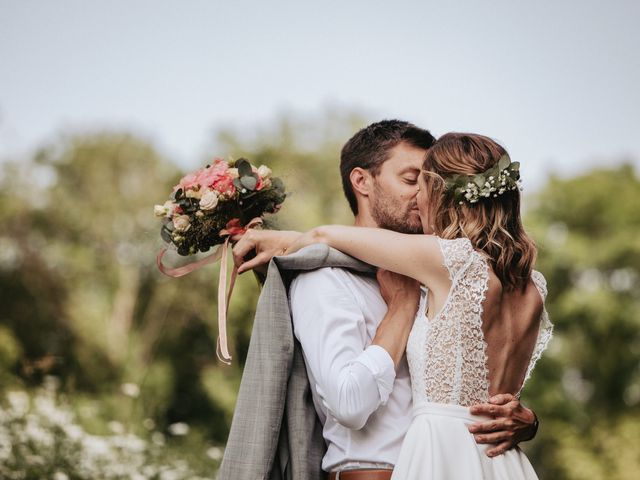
pixel 448 364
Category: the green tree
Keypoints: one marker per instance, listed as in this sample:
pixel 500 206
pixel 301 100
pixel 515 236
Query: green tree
pixel 587 388
pixel 86 302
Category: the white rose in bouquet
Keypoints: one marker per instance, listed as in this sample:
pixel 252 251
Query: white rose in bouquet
pixel 165 210
pixel 209 200
pixel 159 211
pixel 181 223
pixel 264 171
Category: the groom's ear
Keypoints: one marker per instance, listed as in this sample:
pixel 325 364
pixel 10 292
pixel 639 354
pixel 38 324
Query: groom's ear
pixel 361 181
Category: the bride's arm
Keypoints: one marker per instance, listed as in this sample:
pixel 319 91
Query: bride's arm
pixel 416 256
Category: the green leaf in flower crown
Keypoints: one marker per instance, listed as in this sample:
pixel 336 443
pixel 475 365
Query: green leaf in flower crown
pixel 244 167
pixel 237 184
pixel 249 182
pixel 479 180
pixel 450 182
pixel 515 166
pixel 504 162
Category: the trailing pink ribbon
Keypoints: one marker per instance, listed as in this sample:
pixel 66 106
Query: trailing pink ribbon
pixel 224 297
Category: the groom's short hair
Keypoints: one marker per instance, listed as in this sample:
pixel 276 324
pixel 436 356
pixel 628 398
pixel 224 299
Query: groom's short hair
pixel 370 147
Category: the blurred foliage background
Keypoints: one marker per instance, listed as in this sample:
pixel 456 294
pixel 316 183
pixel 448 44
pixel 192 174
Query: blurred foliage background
pixel 134 352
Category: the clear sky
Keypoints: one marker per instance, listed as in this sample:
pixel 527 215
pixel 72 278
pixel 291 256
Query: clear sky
pixel 557 82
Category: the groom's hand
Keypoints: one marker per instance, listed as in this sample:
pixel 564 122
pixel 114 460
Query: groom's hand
pixel 512 423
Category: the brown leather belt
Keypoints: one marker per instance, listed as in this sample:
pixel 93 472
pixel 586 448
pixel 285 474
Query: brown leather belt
pixel 361 474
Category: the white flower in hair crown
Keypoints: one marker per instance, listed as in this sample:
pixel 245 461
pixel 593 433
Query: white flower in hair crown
pixel 502 177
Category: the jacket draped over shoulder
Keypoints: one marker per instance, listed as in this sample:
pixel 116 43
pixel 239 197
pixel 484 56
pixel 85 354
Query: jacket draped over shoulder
pixel 275 433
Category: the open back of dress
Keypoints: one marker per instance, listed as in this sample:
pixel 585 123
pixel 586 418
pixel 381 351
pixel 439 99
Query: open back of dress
pixel 449 369
pixel 448 354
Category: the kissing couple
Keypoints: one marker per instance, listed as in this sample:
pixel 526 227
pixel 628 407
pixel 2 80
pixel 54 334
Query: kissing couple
pixel 397 347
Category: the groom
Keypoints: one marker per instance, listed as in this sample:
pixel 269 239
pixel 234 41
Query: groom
pixel 351 332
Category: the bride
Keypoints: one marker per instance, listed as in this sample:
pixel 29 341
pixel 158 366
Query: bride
pixel 484 325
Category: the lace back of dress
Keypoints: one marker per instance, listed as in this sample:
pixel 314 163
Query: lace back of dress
pixel 447 354
pixel 455 363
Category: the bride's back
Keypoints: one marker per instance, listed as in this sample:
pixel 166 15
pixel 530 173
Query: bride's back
pixel 510 323
pixel 483 339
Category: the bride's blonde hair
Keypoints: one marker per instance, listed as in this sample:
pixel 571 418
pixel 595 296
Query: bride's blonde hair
pixel 493 224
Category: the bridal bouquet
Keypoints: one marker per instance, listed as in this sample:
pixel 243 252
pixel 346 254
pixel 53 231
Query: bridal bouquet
pixel 219 200
pixel 207 208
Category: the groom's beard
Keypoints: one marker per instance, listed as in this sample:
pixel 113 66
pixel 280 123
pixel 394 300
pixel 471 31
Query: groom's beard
pixel 392 215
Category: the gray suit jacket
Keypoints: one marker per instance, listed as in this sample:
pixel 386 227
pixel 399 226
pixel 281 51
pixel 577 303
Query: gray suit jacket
pixel 275 433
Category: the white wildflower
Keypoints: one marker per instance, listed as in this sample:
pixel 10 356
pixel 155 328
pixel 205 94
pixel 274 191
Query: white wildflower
pixel 51 383
pixel 19 402
pixel 158 438
pixel 179 429
pixel 149 424
pixel 95 446
pixel 116 427
pixel 214 453
pixel 36 434
pixel 46 407
pixel 130 390
pixel 46 435
pixel 73 431
pixel 129 443
pixel 34 460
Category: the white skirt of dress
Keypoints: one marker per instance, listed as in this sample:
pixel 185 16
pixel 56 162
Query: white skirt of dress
pixel 439 446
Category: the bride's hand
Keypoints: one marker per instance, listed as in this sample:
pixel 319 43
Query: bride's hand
pixel 302 240
pixel 264 244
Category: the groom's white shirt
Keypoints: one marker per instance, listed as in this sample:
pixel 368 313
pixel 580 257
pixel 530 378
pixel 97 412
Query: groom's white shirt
pixel 363 403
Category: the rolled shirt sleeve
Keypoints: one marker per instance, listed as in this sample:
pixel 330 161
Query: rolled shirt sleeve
pixel 352 377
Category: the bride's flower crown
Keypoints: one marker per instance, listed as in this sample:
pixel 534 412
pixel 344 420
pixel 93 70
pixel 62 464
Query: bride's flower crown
pixel 502 177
